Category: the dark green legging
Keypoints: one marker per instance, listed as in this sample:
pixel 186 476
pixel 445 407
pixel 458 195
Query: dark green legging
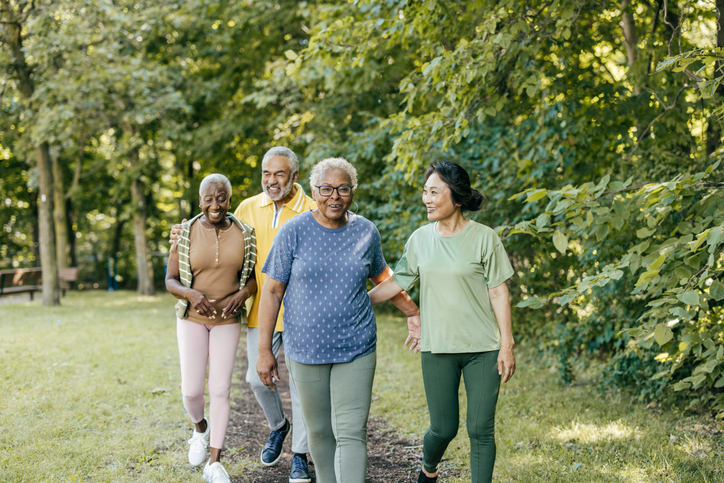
pixel 441 375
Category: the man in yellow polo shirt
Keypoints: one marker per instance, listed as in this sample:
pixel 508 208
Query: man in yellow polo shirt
pixel 282 199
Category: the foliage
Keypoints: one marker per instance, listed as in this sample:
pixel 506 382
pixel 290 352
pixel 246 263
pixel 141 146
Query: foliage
pixel 603 115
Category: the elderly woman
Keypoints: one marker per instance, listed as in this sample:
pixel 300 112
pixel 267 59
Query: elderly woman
pixel 211 273
pixel 461 267
pixel 319 265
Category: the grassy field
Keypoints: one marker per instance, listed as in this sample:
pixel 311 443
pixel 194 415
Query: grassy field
pixel 90 391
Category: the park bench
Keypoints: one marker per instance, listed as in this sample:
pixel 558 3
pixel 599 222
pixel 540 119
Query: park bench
pixel 22 280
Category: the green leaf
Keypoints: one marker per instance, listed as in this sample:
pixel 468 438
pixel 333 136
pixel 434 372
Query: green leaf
pixel 716 290
pixel 542 220
pixel 532 302
pixel 646 277
pixel 291 55
pixel 663 334
pixel 536 195
pixel 602 232
pixel 560 241
pixel 689 297
pixel 644 232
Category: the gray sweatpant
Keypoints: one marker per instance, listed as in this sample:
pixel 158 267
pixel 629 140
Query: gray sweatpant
pixel 270 401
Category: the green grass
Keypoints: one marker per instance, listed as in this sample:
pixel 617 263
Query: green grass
pixel 547 432
pixel 90 391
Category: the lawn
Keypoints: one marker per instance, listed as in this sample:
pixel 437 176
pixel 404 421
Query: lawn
pixel 91 392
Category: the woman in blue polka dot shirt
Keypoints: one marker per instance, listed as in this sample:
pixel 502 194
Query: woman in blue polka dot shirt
pixel 319 265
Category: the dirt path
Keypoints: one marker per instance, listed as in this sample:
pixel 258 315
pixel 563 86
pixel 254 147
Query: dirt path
pixel 391 458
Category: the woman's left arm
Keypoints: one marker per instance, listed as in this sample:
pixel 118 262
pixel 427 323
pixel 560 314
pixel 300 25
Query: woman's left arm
pixel 407 306
pixel 500 300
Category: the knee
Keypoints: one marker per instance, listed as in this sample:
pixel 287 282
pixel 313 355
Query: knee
pixel 482 431
pixel 443 434
pixel 192 395
pixel 220 391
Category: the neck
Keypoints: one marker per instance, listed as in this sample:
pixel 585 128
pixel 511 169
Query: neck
pixel 278 204
pixel 452 224
pixel 327 223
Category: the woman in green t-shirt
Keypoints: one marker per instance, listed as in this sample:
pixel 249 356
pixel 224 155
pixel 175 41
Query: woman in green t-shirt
pixel 461 266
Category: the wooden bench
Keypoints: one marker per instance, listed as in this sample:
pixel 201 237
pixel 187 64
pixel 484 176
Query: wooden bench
pixel 22 280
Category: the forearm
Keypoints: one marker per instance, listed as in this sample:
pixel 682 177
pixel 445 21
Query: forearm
pixel 405 303
pixel 500 300
pixel 388 290
pixel 269 306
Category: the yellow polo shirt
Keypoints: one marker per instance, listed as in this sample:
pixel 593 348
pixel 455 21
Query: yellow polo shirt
pixel 261 213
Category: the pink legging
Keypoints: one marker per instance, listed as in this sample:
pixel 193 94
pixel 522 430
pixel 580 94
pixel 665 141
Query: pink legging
pixel 216 344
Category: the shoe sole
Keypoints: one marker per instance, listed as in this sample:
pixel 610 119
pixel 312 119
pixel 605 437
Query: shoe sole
pixel 272 463
pixel 300 480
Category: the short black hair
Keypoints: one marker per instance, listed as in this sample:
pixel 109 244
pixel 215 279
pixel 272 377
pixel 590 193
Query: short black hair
pixel 458 180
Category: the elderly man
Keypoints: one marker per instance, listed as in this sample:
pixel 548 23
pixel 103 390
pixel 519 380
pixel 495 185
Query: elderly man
pixel 266 212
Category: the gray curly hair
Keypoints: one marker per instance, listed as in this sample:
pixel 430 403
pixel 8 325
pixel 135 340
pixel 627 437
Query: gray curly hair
pixel 330 163
pixel 215 178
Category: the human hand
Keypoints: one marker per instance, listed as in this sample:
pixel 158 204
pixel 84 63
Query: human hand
pixel 266 367
pixel 413 333
pixel 201 304
pixel 175 234
pixel 506 363
pixel 235 305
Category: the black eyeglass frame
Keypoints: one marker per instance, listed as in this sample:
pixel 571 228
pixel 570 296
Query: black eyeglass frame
pixel 332 190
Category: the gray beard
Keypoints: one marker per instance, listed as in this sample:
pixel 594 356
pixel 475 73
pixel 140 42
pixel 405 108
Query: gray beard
pixel 282 195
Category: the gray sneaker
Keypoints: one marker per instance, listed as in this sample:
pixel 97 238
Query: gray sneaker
pixel 300 472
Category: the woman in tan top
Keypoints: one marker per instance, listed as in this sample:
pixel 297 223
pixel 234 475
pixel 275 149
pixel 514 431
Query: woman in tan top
pixel 211 272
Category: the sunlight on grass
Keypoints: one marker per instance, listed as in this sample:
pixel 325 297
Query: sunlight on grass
pixel 591 433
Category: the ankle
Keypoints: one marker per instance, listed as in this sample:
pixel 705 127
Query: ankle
pixel 301 455
pixel 430 475
pixel 201 426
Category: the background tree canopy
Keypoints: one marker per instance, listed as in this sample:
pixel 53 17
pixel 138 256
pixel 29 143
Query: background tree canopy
pixel 592 128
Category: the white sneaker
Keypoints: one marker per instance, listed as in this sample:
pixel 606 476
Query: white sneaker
pixel 199 442
pixel 216 473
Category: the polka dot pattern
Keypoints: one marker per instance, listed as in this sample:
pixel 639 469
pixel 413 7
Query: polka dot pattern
pixel 328 317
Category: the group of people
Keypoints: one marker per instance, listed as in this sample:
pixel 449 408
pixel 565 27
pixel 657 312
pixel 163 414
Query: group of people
pixel 305 262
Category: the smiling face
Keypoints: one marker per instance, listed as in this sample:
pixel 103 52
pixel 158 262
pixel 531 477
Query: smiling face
pixel 438 199
pixel 215 201
pixel 277 179
pixel 332 209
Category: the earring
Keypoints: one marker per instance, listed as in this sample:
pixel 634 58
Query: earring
pixel 357 207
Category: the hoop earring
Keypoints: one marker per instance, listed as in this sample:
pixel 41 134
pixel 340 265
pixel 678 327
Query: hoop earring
pixel 356 209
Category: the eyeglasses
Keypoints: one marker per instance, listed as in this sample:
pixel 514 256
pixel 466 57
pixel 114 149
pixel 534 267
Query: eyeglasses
pixel 343 190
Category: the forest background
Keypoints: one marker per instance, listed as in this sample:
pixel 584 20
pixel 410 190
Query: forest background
pixel 592 127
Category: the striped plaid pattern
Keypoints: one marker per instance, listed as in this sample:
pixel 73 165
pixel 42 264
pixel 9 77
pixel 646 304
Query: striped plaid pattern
pixel 184 267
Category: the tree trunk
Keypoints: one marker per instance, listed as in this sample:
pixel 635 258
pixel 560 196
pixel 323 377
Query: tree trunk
pixel 630 40
pixel 138 200
pixel 51 289
pixel 60 216
pixel 713 131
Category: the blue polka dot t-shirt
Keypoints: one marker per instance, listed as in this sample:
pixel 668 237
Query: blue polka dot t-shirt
pixel 328 317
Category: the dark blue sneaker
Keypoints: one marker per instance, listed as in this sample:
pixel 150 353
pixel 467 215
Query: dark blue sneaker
pixel 272 450
pixel 299 473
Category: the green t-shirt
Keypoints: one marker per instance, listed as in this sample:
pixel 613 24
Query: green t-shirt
pixel 455 274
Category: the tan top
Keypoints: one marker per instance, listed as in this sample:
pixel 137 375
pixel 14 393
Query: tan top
pixel 216 262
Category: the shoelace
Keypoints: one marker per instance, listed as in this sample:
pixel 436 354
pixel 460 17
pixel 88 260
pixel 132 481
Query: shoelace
pixel 276 438
pixel 197 442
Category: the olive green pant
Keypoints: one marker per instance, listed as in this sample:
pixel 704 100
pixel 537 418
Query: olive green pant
pixel 441 375
pixel 336 402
